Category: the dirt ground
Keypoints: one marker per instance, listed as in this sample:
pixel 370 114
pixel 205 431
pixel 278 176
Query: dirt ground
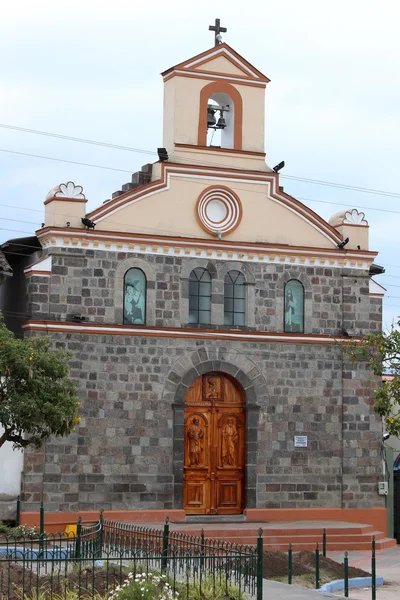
pixel 14 579
pixel 276 566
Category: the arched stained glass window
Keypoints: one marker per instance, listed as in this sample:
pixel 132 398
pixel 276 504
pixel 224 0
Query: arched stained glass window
pixel 135 285
pixel 294 306
pixel 234 299
pixel 200 296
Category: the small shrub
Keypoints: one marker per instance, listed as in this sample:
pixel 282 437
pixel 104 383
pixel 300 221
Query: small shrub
pixel 67 595
pixel 214 590
pixel 4 529
pixel 150 586
pixel 25 531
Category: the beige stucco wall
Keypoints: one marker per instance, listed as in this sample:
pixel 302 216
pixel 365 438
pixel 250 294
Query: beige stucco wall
pixel 357 234
pixel 220 65
pixel 58 212
pixel 233 160
pixel 173 212
pixel 182 106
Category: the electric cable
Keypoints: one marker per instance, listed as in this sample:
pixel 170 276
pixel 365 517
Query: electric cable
pixel 153 153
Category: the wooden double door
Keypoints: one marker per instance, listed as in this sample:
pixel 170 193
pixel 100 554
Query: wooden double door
pixel 215 444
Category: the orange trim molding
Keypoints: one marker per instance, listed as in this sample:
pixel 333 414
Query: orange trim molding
pixel 183 332
pixel 63 199
pixel 38 273
pixel 216 149
pixel 223 88
pixel 215 77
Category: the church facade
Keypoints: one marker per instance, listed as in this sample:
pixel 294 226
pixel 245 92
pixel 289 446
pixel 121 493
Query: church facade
pixel 205 310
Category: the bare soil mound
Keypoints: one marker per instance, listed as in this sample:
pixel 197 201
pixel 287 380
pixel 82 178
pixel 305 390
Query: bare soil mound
pixel 275 564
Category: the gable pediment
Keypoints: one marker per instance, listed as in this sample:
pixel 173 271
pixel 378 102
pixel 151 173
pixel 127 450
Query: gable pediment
pixel 220 60
pixel 206 203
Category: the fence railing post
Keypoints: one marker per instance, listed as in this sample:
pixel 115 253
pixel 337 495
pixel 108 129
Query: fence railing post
pixel 41 526
pixel 346 574
pixel 290 565
pixel 202 552
pixel 78 538
pixel 260 551
pixel 324 543
pixel 317 567
pixel 165 541
pixel 18 518
pixel 100 536
pixel 373 569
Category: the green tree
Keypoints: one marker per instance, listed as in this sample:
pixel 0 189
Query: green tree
pixel 37 398
pixel 383 354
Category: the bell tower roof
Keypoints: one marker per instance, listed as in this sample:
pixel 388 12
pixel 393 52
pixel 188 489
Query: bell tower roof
pixel 219 62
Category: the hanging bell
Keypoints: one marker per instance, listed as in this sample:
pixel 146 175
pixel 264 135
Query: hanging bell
pixel 221 121
pixel 211 120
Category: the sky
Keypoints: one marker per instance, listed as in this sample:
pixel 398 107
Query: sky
pixel 92 70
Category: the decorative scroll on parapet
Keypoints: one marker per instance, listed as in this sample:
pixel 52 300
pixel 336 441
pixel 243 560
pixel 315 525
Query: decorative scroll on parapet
pixel 352 224
pixel 65 206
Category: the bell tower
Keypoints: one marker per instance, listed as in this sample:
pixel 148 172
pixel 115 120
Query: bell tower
pixel 214 109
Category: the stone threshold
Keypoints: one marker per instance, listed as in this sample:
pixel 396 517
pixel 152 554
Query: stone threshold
pixel 206 519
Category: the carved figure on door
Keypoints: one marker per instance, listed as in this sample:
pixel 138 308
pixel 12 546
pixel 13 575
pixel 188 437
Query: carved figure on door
pixel 229 439
pixel 212 391
pixel 195 434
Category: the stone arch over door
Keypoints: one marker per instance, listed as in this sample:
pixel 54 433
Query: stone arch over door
pixel 247 374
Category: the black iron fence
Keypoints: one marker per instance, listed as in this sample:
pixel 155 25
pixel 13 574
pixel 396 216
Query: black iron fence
pixel 102 556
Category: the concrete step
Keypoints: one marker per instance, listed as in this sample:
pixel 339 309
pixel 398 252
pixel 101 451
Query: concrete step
pixel 304 538
pixel 341 546
pixel 289 534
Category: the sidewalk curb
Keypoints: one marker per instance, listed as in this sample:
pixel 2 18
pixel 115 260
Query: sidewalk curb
pixel 356 582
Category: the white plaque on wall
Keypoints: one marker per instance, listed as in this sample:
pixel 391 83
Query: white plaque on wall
pixel 300 441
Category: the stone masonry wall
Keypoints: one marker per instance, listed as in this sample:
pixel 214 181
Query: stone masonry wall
pixel 122 454
pixel 89 283
pixel 127 453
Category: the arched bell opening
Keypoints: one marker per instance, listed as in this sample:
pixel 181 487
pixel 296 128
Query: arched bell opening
pixel 220 121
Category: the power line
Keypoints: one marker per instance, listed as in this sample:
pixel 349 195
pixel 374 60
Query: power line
pixel 15 230
pixel 396 212
pixel 150 152
pixel 71 162
pixel 77 139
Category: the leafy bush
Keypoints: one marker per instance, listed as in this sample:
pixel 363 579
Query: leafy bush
pixel 4 529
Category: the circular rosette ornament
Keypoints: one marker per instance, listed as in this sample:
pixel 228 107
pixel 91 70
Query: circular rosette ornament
pixel 219 210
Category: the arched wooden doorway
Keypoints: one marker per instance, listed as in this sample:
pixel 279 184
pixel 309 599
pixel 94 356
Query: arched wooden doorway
pixel 215 443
